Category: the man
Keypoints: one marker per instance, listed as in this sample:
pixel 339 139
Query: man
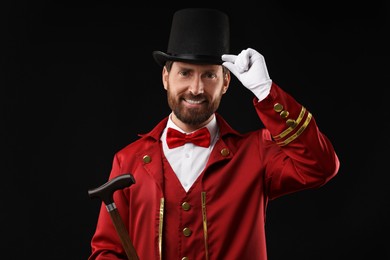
pixel 207 198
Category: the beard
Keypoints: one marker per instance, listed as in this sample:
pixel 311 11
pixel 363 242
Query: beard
pixel 193 116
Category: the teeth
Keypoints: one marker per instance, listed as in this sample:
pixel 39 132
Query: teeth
pixel 194 101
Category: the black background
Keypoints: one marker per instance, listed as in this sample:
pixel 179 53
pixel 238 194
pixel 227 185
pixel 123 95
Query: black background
pixel 78 82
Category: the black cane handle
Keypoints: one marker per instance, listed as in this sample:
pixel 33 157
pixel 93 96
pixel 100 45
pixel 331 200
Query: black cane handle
pixel 105 192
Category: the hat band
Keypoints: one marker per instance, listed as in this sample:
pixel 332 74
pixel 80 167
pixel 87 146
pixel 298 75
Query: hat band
pixel 195 57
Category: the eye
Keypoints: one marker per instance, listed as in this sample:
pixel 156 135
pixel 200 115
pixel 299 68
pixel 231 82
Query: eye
pixel 210 75
pixel 184 73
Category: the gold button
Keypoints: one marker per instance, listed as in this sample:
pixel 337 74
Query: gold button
pixel 185 258
pixel 278 107
pixel 185 206
pixel 147 159
pixel 225 152
pixel 291 122
pixel 187 232
pixel 284 114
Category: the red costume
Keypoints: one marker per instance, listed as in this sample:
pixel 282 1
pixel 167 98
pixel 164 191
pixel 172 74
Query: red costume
pixel 222 216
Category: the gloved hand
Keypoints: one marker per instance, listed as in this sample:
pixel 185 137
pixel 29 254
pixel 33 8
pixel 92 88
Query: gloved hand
pixel 250 69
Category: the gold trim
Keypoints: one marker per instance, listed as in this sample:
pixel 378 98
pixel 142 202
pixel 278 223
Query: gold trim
pixel 160 227
pixel 298 133
pixel 206 248
pixel 288 130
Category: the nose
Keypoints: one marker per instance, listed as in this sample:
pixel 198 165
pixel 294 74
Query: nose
pixel 196 86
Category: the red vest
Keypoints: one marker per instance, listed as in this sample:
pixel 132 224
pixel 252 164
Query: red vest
pixel 184 233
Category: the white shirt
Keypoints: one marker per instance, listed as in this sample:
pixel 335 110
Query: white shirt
pixel 189 160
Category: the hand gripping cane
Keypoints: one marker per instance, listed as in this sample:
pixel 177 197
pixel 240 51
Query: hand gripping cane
pixel 105 193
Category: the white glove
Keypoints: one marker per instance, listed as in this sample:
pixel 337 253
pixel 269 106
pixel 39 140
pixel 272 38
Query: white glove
pixel 250 69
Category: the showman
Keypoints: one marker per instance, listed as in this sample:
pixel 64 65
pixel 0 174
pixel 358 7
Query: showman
pixel 202 188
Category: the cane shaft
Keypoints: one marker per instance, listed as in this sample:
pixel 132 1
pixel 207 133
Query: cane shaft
pixel 123 235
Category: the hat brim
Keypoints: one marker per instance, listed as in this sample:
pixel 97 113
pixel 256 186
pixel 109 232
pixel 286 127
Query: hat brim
pixel 162 57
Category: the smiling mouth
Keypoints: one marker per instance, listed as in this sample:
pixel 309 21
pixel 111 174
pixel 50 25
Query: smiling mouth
pixel 193 102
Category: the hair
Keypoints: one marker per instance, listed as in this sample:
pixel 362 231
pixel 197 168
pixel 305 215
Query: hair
pixel 168 66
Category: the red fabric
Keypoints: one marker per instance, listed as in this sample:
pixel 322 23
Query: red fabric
pixel 176 138
pixel 238 186
pixel 176 245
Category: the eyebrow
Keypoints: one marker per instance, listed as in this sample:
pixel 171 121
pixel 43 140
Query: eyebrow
pixel 189 68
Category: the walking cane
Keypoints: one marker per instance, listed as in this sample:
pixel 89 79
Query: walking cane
pixel 105 193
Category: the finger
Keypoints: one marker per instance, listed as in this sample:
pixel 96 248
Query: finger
pixel 229 57
pixel 242 62
pixel 254 55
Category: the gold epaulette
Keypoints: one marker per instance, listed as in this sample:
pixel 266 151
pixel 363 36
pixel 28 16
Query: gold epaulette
pixel 295 126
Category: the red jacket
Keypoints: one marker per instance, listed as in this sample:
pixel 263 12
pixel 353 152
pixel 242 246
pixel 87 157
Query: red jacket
pixel 244 171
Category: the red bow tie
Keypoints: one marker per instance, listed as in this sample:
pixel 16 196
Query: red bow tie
pixel 176 138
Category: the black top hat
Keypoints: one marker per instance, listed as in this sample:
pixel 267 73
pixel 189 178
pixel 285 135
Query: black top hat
pixel 198 35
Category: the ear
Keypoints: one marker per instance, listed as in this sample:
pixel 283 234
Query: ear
pixel 165 75
pixel 226 82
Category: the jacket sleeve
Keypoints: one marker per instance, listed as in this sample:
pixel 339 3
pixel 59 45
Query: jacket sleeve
pixel 302 156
